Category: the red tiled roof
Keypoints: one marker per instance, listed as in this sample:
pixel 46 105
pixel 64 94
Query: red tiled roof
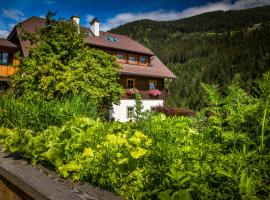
pixel 31 25
pixel 6 43
pixel 123 43
pixel 156 68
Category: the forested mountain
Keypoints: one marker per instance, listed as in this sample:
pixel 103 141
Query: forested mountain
pixel 214 48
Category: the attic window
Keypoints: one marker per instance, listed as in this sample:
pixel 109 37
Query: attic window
pixel 111 39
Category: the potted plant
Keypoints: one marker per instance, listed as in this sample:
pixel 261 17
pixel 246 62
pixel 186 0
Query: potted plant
pixel 154 92
pixel 131 92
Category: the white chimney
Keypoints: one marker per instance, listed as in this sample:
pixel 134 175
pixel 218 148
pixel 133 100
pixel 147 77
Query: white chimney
pixel 95 26
pixel 76 20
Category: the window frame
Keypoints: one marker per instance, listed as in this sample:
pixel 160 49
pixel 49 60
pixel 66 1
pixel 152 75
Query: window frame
pixel 110 38
pixel 135 56
pixel 124 60
pixel 146 60
pixel 130 115
pixel 134 82
pixel 8 58
pixel 155 84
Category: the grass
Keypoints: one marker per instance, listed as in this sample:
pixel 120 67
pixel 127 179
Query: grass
pixel 38 114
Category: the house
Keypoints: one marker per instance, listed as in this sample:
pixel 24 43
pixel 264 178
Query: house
pixel 8 61
pixel 141 69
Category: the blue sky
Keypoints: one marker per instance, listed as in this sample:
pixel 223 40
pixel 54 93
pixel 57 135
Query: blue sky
pixel 113 13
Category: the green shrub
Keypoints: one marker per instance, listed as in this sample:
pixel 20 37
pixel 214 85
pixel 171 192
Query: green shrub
pixel 61 65
pixel 221 155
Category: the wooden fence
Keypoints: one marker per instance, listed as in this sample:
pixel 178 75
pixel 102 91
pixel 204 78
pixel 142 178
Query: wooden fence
pixel 22 181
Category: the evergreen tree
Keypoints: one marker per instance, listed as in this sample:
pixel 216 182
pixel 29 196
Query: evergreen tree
pixel 211 48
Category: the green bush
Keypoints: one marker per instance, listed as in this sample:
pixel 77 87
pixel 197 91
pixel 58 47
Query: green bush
pixel 61 65
pixel 221 153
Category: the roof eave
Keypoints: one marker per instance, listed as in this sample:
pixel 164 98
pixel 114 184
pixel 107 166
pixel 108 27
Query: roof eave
pixel 10 35
pixel 109 47
pixel 147 75
pixel 9 47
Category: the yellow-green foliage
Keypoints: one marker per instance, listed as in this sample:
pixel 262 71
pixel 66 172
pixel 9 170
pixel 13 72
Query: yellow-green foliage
pixel 222 153
pixel 61 65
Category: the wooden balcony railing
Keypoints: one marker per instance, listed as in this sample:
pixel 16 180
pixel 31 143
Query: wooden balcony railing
pixel 7 71
pixel 146 95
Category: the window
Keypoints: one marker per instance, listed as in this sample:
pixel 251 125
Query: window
pixel 130 83
pixel 121 56
pixel 130 112
pixel 110 38
pixel 153 108
pixel 4 58
pixel 143 60
pixel 152 84
pixel 132 58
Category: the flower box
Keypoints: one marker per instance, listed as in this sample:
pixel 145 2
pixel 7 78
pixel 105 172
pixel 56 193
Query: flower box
pixel 133 91
pixel 154 93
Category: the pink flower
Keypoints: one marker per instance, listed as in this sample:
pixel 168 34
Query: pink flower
pixel 132 91
pixel 154 92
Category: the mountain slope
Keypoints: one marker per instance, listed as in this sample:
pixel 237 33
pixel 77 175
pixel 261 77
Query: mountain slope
pixel 213 48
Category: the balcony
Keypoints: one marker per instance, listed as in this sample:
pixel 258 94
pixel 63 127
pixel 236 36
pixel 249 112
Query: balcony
pixel 145 95
pixel 6 71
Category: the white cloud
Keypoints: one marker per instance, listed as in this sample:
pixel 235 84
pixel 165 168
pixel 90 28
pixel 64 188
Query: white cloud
pixel 89 18
pixel 11 25
pixel 243 4
pixel 14 14
pixel 3 33
pixel 163 15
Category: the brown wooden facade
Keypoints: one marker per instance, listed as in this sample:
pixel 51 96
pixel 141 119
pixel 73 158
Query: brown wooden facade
pixel 10 68
pixel 126 55
pixel 142 83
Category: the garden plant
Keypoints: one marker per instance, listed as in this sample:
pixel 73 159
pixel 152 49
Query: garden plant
pixel 221 153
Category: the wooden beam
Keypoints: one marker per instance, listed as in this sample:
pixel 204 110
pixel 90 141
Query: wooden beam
pixel 39 183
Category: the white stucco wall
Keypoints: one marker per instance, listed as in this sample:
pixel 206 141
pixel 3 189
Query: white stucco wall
pixel 119 112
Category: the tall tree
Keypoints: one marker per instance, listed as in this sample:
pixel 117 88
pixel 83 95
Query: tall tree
pixel 60 64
